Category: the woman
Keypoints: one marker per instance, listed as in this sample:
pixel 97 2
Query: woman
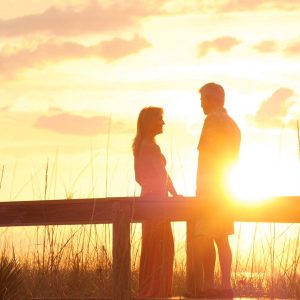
pixel 157 253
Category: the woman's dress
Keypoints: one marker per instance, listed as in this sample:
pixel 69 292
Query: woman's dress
pixel 157 253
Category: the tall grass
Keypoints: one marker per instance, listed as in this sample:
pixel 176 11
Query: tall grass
pixel 11 279
pixel 76 261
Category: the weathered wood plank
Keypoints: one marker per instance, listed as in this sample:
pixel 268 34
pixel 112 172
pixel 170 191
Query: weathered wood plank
pixel 99 211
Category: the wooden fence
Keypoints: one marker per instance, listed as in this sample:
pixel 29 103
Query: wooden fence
pixel 121 211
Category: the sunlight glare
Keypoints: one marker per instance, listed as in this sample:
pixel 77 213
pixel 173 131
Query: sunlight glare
pixel 247 184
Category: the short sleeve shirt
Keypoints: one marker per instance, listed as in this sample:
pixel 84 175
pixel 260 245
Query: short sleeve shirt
pixel 219 147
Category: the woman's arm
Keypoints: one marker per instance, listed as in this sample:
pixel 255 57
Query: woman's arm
pixel 170 186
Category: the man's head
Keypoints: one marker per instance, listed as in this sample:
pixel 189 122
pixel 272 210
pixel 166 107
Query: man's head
pixel 212 97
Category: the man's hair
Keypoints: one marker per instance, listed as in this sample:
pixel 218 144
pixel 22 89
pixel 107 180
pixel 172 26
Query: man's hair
pixel 213 91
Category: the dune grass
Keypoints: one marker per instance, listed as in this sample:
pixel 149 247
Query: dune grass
pixel 76 261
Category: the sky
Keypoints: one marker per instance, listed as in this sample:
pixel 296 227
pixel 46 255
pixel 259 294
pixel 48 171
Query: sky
pixel 75 74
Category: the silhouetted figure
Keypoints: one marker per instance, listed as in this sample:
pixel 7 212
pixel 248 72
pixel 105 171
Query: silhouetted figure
pixel 219 147
pixel 157 253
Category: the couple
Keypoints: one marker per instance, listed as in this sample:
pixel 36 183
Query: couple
pixel 218 148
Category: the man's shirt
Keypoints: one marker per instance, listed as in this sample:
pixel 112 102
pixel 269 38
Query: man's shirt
pixel 219 148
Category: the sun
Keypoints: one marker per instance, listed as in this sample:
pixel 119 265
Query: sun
pixel 248 184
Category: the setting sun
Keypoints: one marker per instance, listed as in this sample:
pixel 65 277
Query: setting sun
pixel 247 185
pixel 249 182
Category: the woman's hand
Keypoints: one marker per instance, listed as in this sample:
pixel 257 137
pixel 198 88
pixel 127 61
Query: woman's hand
pixel 178 197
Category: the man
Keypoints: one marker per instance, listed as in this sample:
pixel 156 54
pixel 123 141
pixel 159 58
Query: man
pixel 218 148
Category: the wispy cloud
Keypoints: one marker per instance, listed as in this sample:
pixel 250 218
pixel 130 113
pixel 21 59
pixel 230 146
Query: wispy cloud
pixel 53 52
pixel 266 46
pixel 4 108
pixel 274 111
pixel 221 44
pixel 250 5
pixel 55 119
pixel 93 18
pixel 288 48
pixel 293 48
pixel 231 6
pixel 118 48
pixel 73 124
pixel 54 109
pixel 96 17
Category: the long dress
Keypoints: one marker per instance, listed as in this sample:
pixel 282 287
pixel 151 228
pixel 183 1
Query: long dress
pixel 157 252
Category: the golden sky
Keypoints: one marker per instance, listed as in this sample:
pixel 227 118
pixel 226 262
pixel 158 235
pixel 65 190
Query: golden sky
pixel 75 74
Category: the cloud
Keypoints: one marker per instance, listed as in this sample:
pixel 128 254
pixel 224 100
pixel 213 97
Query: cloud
pixel 221 44
pixel 289 48
pixel 54 109
pixel 4 108
pixel 229 6
pixel 52 52
pixel 93 18
pixel 118 48
pixel 274 111
pixel 266 46
pixel 293 48
pixel 73 124
pixel 250 5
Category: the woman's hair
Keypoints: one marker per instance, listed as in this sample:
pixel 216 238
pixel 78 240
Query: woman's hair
pixel 146 119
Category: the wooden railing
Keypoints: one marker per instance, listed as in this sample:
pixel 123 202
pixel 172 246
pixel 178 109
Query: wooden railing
pixel 121 211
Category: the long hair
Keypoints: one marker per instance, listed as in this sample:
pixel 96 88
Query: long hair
pixel 147 117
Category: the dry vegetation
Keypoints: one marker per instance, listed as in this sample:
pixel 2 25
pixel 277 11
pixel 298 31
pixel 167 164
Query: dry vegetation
pixel 76 261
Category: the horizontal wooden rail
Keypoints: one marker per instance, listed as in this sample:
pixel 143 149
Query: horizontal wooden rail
pixel 121 211
pixel 283 209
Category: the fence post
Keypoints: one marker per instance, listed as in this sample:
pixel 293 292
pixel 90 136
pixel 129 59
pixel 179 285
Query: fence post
pixel 121 252
pixel 189 257
pixel 194 276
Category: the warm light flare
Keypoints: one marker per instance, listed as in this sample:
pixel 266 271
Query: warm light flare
pixel 248 184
